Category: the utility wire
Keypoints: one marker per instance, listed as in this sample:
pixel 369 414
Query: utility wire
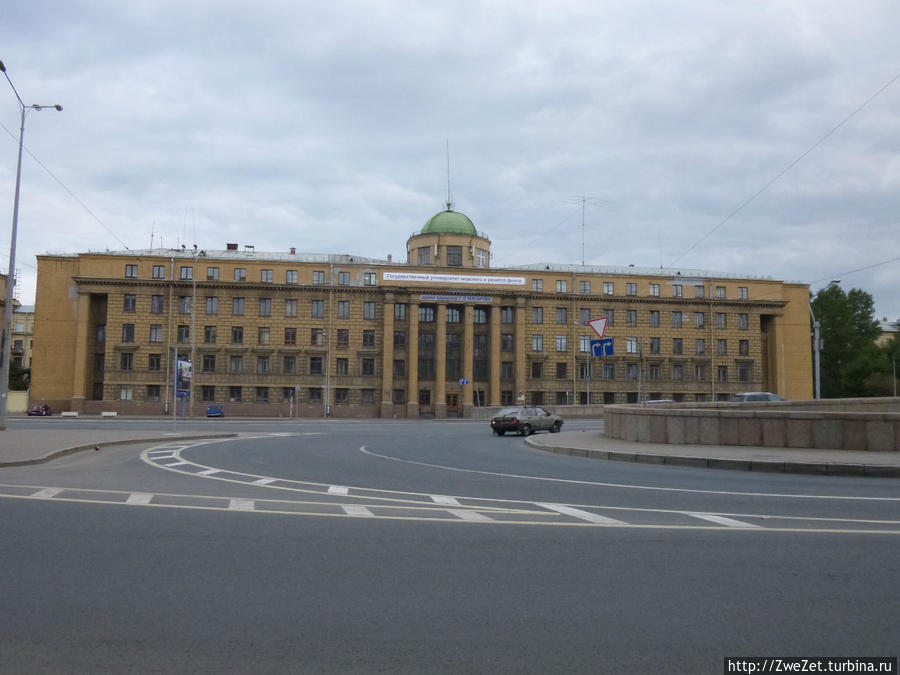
pixel 65 187
pixel 788 168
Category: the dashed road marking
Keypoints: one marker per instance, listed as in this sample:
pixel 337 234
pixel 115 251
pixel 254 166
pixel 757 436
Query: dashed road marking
pixel 139 499
pixel 242 505
pixel 355 510
pixel 447 501
pixel 264 481
pixel 470 515
pixel 47 493
pixel 338 490
pixel 583 515
pixel 209 472
pixel 721 520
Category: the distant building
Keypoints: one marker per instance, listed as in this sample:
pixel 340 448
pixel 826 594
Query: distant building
pixel 889 331
pixel 22 336
pixel 306 334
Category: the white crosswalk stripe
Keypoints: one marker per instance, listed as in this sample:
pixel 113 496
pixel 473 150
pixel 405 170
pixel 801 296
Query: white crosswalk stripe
pixel 721 520
pixel 446 501
pixel 582 515
pixel 242 505
pixel 352 510
pixel 465 514
pixel 338 490
pixel 139 498
pixel 47 492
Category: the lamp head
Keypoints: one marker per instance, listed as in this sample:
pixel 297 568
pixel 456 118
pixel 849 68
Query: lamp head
pixel 2 67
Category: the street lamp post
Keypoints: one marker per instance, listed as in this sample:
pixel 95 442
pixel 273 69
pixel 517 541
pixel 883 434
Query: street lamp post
pixel 11 272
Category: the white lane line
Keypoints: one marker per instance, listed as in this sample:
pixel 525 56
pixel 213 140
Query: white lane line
pixel 242 505
pixel 176 464
pixel 583 515
pixel 722 520
pixel 352 510
pixel 139 498
pixel 46 493
pixel 446 501
pixel 338 490
pixel 209 472
pixel 470 515
pixel 264 481
pixel 166 455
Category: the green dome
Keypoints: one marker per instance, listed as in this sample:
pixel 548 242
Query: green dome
pixel 449 222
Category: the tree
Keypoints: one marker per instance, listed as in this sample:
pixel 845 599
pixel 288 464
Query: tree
pixel 849 355
pixel 19 377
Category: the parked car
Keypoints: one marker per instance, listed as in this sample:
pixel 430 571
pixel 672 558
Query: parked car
pixel 214 410
pixel 525 420
pixel 41 409
pixel 756 396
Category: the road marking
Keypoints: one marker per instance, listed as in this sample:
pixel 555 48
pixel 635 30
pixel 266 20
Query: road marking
pixel 46 493
pixel 583 515
pixel 242 505
pixel 338 490
pixel 139 499
pixel 264 481
pixel 721 520
pixel 209 472
pixel 177 464
pixel 446 501
pixel 166 455
pixel 470 515
pixel 353 510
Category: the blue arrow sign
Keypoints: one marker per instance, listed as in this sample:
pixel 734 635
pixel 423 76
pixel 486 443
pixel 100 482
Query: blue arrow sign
pixel 602 347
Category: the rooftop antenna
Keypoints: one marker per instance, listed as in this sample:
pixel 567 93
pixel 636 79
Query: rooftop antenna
pixel 584 199
pixel 449 198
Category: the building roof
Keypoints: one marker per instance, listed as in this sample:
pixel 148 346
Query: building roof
pixel 450 222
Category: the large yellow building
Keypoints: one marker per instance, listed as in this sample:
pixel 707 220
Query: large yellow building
pixel 300 334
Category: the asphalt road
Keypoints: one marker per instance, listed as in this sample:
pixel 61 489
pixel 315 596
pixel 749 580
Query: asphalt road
pixel 341 546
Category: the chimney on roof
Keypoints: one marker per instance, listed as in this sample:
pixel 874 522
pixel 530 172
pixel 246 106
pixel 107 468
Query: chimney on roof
pixel 231 247
pixel 293 251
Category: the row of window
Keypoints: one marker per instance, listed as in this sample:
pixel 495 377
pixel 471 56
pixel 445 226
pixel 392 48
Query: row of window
pixel 631 288
pixel 266 276
pixel 236 364
pixel 679 318
pixel 632 371
pixel 239 305
pixel 634 345
pixel 237 394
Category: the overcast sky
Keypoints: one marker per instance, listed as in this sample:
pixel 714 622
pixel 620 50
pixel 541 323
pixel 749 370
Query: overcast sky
pixel 324 126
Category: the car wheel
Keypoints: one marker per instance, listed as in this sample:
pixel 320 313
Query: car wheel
pixel 526 430
pixel 555 428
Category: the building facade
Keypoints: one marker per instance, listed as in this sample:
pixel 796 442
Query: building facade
pixel 22 336
pixel 288 334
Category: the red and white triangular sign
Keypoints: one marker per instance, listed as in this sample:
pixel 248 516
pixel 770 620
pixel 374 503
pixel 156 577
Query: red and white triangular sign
pixel 599 325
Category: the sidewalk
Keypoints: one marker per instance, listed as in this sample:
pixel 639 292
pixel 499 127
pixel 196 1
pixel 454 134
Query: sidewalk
pixel 19 447
pixel 594 444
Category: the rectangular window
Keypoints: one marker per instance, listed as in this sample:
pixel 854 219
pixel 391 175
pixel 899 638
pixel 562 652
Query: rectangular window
pixel 720 292
pixel 631 345
pixel 187 273
pixel 506 342
pixel 744 374
pixel 630 288
pixel 506 370
pixel 212 273
pixel 209 363
pixel 454 256
pixel 631 317
pixel 156 333
pixel 537 343
pixel 721 320
pixel 368 338
pixel 537 315
pixel 561 343
pixel 562 286
pixel 654 290
pixel 631 371
pixel 743 321
pixel 584 343
pixel 677 319
pixel 159 272
pixel 237 306
pixel 264 335
pixel 610 315
pixel 315 365
pixel 609 288
pixel 368 310
pixel 290 277
pixel 453 315
pixel 314 395
pixel 722 374
pixel 212 305
pixel 290 308
pixel 157 304
pixel 537 285
pixel 343 278
pixel 318 277
pixel 130 303
pixel 234 394
pixel 399 368
pixel 316 337
pixel 654 345
pixel 341 395
pixel 127 332
pixel 677 290
pixel 699 319
pixel 584 315
pixel 289 365
pixel 131 271
pixel 426 314
pixel 184 333
pixel 290 336
pixel 562 315
pixel 262 394
pixel 208 393
pixel 265 306
pixel 424 255
pixel 700 372
pixel 654 318
pixel 609 371
pixel 399 311
pixel 126 393
pixel 743 293
pixel 343 338
pixel 240 274
pixel 184 304
pixel 126 361
pixel 699 291
pixel 479 315
pixel 399 339
pixel 266 276
pixel 677 346
pixel 369 279
pixel 154 362
pixel 237 335
pixel 655 371
pixel 677 372
pixel 562 372
pixel 700 346
pixel 584 287
pixel 537 370
pixel 367 396
pixel 343 309
pixel 341 366
pixel 506 315
pixel 744 347
pixel 721 347
pixel 262 365
pixel 368 366
pixel 317 309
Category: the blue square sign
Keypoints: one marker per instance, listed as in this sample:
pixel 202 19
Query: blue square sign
pixel 602 347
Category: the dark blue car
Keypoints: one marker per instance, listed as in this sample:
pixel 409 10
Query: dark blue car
pixel 214 410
